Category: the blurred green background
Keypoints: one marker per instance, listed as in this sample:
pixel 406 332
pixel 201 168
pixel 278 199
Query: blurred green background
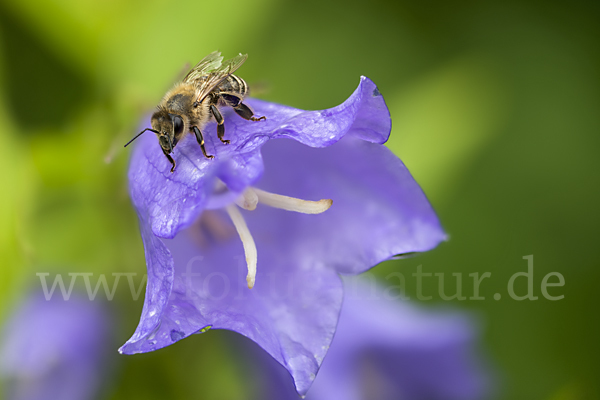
pixel 495 109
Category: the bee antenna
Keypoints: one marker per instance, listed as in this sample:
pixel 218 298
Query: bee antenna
pixel 139 134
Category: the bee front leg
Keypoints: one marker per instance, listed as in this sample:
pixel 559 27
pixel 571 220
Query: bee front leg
pixel 220 123
pixel 200 140
pixel 170 159
pixel 245 112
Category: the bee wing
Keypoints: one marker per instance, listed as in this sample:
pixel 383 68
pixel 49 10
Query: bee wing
pixel 207 64
pixel 207 81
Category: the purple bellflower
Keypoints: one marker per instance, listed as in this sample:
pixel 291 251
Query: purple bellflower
pixel 387 350
pixel 251 217
pixel 54 349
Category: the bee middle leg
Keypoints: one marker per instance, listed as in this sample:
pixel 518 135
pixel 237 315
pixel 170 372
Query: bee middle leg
pixel 200 140
pixel 220 123
pixel 245 112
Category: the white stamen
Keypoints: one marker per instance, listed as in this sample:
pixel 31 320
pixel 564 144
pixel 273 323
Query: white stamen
pixel 248 200
pixel 247 242
pixel 292 203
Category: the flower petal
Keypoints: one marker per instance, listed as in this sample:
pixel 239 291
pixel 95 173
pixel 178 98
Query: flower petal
pixel 291 312
pixel 378 209
pixel 159 264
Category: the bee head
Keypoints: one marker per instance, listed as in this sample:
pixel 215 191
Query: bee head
pixel 168 128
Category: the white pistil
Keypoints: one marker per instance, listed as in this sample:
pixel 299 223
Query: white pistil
pixel 248 200
pixel 247 242
pixel 292 203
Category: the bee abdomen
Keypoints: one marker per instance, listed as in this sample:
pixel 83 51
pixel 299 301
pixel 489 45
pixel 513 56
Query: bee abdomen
pixel 233 85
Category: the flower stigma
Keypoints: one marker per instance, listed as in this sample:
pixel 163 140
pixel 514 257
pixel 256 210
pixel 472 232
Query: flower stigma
pixel 291 203
pixel 248 201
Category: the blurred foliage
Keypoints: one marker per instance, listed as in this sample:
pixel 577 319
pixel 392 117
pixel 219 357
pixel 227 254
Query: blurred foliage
pixel 495 111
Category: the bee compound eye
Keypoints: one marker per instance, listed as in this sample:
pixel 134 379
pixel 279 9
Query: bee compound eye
pixel 177 124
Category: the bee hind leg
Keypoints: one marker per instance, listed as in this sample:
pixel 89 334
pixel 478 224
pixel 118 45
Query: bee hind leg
pixel 200 140
pixel 245 112
pixel 220 123
pixel 170 159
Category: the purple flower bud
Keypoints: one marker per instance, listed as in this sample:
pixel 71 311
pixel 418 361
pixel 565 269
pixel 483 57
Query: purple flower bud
pixel 386 349
pixel 54 349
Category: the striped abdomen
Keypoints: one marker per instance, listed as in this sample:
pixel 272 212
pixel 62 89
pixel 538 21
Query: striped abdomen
pixel 232 86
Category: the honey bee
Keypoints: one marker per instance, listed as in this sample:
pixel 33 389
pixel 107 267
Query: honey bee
pixel 191 104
